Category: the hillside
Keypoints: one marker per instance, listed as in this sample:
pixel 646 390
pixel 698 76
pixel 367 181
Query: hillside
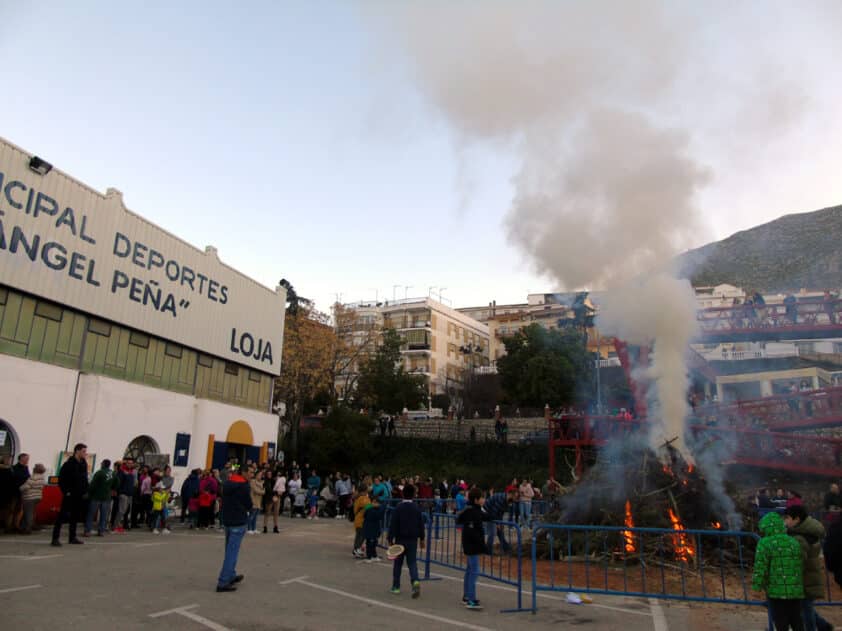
pixel 796 251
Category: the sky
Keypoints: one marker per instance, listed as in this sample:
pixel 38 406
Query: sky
pixel 368 150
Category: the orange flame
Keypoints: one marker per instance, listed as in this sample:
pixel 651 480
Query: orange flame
pixel 684 549
pixel 716 525
pixel 628 536
pixel 667 469
pixel 690 468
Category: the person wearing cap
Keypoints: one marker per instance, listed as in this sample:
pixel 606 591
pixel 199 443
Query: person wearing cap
pixel 236 505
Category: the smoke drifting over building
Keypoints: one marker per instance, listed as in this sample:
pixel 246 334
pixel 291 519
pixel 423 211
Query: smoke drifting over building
pixel 606 105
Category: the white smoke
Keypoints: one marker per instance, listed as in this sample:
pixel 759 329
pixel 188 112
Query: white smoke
pixel 603 103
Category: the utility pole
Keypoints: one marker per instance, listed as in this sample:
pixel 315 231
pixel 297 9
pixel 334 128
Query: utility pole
pixel 406 289
pixel 441 289
pixel 394 289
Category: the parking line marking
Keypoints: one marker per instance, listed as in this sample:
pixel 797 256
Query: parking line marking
pixel 549 596
pixel 659 621
pixel 294 580
pixel 185 611
pixel 26 557
pixel 377 603
pixel 18 589
pixel 542 595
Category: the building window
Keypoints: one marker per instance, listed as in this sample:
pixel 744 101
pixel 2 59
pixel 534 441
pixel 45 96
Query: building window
pixel 254 375
pixel 4 296
pixel 49 311
pixel 99 327
pixel 173 350
pixel 232 369
pixel 139 339
pixel 140 448
pixel 205 360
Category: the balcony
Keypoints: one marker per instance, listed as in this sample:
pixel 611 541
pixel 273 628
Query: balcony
pixel 410 348
pixel 729 355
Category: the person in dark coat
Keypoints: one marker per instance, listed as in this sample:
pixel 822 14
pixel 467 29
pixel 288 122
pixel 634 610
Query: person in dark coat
pixel 73 482
pixel 372 520
pixel 189 490
pixel 473 544
pixel 236 505
pixel 407 529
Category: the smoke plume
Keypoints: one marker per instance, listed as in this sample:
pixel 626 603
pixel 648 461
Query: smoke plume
pixel 605 105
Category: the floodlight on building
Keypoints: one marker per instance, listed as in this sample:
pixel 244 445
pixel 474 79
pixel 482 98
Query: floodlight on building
pixel 40 166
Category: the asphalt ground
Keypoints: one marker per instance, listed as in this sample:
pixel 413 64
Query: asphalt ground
pixel 302 578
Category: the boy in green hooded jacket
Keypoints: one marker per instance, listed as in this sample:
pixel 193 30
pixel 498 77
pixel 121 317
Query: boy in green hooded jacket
pixel 779 570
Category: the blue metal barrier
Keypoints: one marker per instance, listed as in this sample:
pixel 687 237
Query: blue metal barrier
pixel 445 549
pixel 695 565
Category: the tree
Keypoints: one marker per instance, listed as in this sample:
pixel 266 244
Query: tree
pixel 546 367
pixel 305 368
pixel 383 383
pixel 343 442
pixel 356 339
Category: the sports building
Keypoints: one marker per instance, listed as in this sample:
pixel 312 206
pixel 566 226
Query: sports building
pixel 118 334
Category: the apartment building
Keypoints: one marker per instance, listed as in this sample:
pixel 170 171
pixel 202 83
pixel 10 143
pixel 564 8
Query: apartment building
pixel 439 343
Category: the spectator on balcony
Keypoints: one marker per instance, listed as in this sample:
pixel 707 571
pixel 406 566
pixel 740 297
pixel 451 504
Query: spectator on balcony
pixel 793 499
pixel 759 307
pixel 832 499
pixel 749 312
pixel 780 499
pixel 829 306
pixel 791 307
pixel 793 400
pixel 763 501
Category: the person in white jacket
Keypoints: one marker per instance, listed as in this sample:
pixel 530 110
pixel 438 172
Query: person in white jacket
pixel 278 493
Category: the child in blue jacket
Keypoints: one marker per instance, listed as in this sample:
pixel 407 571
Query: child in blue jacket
pixel 372 520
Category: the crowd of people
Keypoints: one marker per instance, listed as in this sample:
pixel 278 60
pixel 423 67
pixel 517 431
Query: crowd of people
pixel 788 564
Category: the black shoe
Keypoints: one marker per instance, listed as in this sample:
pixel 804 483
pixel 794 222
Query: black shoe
pixel 226 588
pixel 76 542
pixel 238 578
pixel 276 530
pixel 56 543
pixel 265 530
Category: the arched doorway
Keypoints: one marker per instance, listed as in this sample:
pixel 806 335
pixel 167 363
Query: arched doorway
pixel 8 442
pixel 140 448
pixel 238 446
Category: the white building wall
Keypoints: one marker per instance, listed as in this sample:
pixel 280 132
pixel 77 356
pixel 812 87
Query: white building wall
pixel 36 400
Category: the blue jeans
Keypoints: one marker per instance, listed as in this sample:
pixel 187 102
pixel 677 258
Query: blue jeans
pixel 410 549
pixel 104 510
pixel 253 518
pixel 471 576
pixel 525 512
pixel 490 530
pixel 233 538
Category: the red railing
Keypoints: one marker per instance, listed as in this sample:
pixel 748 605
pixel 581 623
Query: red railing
pixel 817 455
pixel 808 314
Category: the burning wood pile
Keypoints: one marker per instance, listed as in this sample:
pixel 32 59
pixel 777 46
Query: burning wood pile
pixel 635 487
